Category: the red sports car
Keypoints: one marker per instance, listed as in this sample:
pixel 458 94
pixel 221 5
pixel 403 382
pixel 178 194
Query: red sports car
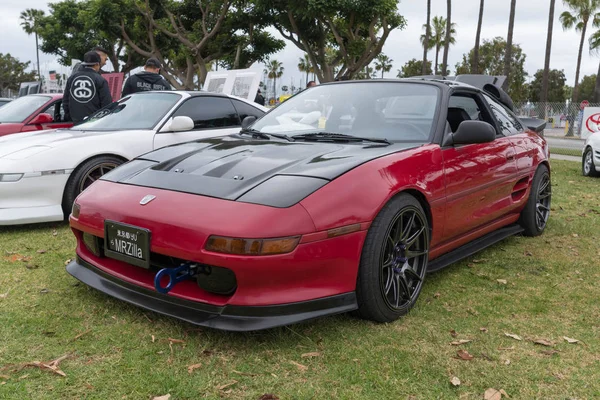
pixel 34 112
pixel 340 199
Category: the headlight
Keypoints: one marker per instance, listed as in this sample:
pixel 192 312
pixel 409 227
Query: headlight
pixel 75 210
pixel 25 153
pixel 252 247
pixel 10 177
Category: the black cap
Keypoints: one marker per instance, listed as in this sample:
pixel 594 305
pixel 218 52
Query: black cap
pixel 91 58
pixel 153 62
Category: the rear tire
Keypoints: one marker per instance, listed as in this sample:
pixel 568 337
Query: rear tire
pixel 86 174
pixel 587 164
pixel 534 216
pixel 393 261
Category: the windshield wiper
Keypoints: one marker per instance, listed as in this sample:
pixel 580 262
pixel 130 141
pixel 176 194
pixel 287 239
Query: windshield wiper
pixel 339 137
pixel 264 135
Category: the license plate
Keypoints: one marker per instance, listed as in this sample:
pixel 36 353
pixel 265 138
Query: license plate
pixel 127 243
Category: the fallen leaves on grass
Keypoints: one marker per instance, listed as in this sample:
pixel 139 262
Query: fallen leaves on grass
pixel 300 366
pixel 437 295
pixel 501 281
pixel 455 381
pixel 453 333
pixel 543 342
pixel 506 348
pixel 464 355
pixel 32 266
pixel 223 387
pixel 192 367
pixel 164 397
pixel 18 257
pixel 492 394
pixel 484 330
pixel 243 373
pixel 4 295
pixel 512 335
pixel 42 251
pixel 68 261
pixel 311 355
pixel 459 342
pixel 550 352
pixel 51 366
pixel 179 341
pixel 575 235
pixel 503 392
pixel 268 396
pixel 570 340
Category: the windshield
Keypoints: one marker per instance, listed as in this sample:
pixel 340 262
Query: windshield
pixel 20 109
pixel 397 111
pixel 138 111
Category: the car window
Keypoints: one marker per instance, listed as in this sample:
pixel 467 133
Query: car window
pixel 398 112
pixel 244 110
pixel 139 111
pixel 209 112
pixel 20 109
pixel 508 122
pixel 56 111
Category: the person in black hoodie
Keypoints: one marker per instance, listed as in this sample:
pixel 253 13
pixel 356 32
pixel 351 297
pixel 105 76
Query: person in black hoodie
pixel 149 79
pixel 86 91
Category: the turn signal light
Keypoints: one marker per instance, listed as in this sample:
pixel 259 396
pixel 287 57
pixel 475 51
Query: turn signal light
pixel 75 210
pixel 252 247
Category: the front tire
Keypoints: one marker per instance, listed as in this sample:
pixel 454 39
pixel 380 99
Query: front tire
pixel 587 164
pixel 86 174
pixel 394 261
pixel 534 216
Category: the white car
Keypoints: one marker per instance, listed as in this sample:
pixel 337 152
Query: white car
pixel 590 162
pixel 42 172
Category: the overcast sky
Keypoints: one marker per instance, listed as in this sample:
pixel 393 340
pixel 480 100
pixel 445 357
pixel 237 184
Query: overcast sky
pixel 402 45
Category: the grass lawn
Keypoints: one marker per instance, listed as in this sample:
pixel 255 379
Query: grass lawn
pixel 541 289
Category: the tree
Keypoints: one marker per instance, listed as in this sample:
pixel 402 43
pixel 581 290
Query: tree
pixel 274 70
pixel 30 22
pixel 427 38
pixel 383 63
pixel 595 47
pixel 437 40
pixel 582 11
pixel 448 39
pixel 586 88
pixel 544 93
pixel 414 67
pixel 509 42
pixel 12 72
pixel 478 39
pixel 491 62
pixel 355 30
pixel 556 86
pixel 304 66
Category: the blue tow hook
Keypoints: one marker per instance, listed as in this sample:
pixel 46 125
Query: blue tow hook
pixel 176 275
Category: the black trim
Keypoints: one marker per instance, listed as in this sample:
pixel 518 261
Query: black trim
pixel 229 318
pixel 473 247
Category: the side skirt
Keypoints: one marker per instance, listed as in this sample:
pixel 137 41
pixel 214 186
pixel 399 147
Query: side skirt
pixel 473 247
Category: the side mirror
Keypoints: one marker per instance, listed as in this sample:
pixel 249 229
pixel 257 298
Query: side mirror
pixel 181 123
pixel 472 132
pixel 42 119
pixel 249 120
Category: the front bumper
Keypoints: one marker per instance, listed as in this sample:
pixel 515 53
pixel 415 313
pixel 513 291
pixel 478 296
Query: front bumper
pixel 227 317
pixel 32 200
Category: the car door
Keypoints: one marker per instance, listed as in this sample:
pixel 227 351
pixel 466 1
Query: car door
pixel 512 128
pixel 212 116
pixel 56 111
pixel 480 177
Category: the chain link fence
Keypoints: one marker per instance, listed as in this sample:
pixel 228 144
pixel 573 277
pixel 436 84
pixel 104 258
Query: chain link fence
pixel 567 116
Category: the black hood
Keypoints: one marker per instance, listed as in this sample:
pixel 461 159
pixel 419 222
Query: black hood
pixel 229 167
pixel 150 77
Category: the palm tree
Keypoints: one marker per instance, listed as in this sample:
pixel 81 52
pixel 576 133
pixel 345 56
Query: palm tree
pixel 546 76
pixel 595 47
pixel 475 64
pixel 304 66
pixel 274 70
pixel 448 35
pixel 383 63
pixel 437 40
pixel 30 22
pixel 582 12
pixel 427 37
pixel 509 42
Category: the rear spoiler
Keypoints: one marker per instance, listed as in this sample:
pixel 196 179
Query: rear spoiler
pixel 535 124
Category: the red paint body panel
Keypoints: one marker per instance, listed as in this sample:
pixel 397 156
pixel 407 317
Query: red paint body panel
pixel 26 126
